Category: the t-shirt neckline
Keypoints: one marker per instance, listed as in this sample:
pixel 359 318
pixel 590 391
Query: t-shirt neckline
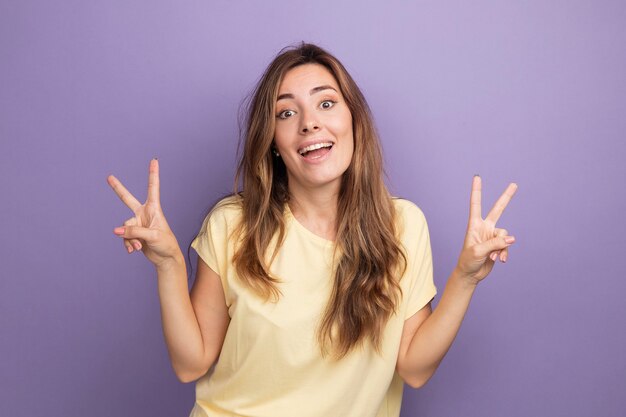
pixel 300 226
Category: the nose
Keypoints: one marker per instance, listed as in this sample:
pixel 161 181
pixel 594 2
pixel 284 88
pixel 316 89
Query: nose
pixel 309 123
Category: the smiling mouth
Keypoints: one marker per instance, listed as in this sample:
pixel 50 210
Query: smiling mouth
pixel 317 149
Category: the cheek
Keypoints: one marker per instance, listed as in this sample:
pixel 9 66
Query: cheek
pixel 280 138
pixel 349 134
pixel 347 148
pixel 347 127
pixel 350 152
pixel 341 125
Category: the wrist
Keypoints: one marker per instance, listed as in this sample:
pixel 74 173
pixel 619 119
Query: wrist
pixel 171 263
pixel 464 279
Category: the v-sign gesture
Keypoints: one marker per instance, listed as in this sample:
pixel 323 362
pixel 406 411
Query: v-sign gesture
pixel 484 243
pixel 147 230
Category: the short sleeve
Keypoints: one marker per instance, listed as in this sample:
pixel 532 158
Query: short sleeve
pixel 206 241
pixel 213 240
pixel 417 282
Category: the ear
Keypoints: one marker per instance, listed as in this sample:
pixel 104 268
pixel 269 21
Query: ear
pixel 274 150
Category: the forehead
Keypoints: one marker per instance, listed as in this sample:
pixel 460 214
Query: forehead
pixel 306 76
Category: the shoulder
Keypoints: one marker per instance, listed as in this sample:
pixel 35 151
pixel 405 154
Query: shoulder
pixel 224 215
pixel 228 207
pixel 408 213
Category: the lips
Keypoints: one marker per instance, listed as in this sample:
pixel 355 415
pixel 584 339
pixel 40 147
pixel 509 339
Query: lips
pixel 315 148
pixel 316 155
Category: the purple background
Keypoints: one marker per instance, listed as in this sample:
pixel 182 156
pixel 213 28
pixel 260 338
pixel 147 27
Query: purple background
pixel 532 92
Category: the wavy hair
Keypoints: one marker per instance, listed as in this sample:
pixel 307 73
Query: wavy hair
pixel 368 256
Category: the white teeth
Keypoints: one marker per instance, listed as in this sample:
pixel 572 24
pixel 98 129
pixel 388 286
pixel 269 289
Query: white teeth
pixel 314 147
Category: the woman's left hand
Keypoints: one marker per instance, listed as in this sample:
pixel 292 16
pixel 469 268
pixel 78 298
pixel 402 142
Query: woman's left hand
pixel 484 243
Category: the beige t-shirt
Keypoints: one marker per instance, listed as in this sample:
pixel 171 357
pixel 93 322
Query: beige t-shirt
pixel 270 364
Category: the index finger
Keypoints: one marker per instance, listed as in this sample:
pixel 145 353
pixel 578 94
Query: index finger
pixel 153 182
pixel 498 208
pixel 124 195
pixel 475 198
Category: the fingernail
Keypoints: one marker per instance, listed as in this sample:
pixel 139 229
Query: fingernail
pixel 509 239
pixel 118 230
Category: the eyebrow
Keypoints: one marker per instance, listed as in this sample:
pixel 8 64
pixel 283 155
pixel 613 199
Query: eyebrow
pixel 313 91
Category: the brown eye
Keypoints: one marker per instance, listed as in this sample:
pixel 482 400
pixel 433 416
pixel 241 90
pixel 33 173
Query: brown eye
pixel 327 104
pixel 285 114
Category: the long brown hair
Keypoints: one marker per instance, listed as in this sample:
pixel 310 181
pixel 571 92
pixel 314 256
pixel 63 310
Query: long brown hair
pixel 369 259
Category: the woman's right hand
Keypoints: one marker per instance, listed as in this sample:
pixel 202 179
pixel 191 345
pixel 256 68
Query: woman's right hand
pixel 147 230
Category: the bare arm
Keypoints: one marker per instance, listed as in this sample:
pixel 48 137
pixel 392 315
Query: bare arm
pixel 426 336
pixel 193 325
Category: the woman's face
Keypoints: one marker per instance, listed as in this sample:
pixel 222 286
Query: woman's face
pixel 313 128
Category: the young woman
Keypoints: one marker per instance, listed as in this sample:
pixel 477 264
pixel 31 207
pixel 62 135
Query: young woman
pixel 313 291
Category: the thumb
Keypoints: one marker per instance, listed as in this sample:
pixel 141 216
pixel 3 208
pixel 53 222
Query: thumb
pixel 494 244
pixel 135 232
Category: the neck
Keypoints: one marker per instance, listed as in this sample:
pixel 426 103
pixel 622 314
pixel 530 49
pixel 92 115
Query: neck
pixel 316 209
